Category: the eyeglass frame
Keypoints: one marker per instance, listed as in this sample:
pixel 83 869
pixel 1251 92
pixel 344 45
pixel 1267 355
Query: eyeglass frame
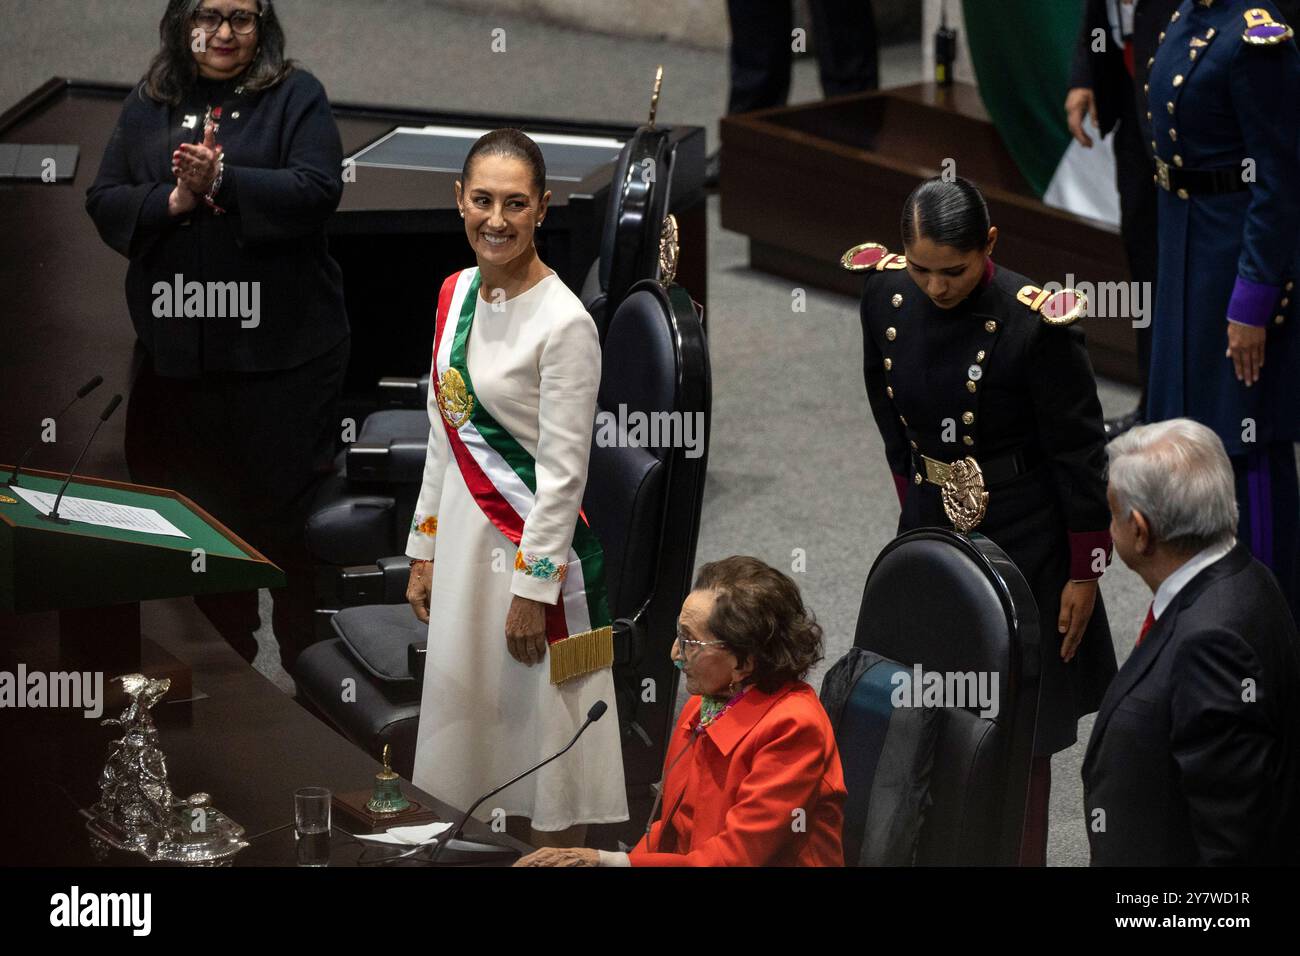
pixel 226 18
pixel 689 642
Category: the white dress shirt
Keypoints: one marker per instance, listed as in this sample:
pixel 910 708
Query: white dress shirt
pixel 1171 585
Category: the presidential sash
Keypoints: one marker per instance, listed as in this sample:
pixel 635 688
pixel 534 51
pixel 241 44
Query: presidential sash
pixel 502 477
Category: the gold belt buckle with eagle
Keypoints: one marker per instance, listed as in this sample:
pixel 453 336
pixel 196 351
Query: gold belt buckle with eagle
pixel 454 400
pixel 961 487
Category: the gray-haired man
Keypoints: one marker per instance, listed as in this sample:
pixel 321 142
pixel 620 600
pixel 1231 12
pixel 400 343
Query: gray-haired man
pixel 1193 757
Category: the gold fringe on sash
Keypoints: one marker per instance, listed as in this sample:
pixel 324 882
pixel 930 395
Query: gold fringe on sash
pixel 583 653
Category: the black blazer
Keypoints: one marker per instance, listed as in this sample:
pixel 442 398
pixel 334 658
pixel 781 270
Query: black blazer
pixel 1181 768
pixel 1104 72
pixel 283 180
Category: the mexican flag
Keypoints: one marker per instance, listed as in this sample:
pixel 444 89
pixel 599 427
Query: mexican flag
pixel 1021 51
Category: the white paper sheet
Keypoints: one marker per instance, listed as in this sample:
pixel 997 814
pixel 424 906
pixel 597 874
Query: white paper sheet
pixel 407 836
pixel 102 513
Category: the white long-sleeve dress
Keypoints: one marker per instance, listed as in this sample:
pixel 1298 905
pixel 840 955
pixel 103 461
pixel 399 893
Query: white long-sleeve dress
pixel 534 361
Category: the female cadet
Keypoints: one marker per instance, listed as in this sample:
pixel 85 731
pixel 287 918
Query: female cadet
pixel 967 359
pixel 1224 106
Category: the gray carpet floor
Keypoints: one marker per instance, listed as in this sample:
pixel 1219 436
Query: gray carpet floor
pixel 796 465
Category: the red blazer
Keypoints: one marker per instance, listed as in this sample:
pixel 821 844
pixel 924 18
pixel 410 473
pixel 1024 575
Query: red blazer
pixel 741 783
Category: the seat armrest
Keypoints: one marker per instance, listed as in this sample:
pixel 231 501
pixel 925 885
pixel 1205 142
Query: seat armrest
pixel 383 582
pixel 415 652
pixel 400 392
pixel 400 461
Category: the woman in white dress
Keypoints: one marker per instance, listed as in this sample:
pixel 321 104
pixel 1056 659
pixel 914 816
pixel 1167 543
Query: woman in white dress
pixel 504 569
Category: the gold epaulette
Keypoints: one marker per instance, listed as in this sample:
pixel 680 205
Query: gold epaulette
pixel 867 256
pixel 1055 308
pixel 1263 30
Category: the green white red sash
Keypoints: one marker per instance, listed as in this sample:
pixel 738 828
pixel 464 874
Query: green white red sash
pixel 501 475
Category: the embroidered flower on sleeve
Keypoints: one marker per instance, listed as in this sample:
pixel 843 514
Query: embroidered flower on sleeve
pixel 428 525
pixel 536 566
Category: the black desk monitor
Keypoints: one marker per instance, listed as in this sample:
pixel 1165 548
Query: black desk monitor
pixel 442 149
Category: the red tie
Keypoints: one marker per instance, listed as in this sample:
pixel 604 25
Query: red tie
pixel 1146 624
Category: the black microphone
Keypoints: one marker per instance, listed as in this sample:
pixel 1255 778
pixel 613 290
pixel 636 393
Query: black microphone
pixel 104 416
pixel 597 711
pixel 82 392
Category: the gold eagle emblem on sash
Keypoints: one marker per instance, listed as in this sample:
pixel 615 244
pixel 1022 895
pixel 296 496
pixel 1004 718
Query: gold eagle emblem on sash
pixel 454 400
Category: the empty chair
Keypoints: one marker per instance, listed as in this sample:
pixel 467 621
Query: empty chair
pixel 938 780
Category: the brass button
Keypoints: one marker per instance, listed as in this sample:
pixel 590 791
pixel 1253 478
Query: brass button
pixel 1290 286
pixel 1146 88
pixel 968 418
pixel 1148 116
pixel 1209 34
pixel 897 300
pixel 1177 14
pixel 913 444
pixel 970 387
pixel 979 356
pixel 1278 319
pixel 1161 38
pixel 889 363
pixel 917 478
pixel 1178 80
pixel 1182 194
pixel 889 390
pixel 1150 61
pixel 990 326
pixel 1193 54
pixel 903 420
pixel 1170 107
pixel 1173 134
pixel 1154 147
pixel 891 333
pixel 1178 159
pixel 1285 302
pixel 967 440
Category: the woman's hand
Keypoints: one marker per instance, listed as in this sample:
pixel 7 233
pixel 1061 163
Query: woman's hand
pixel 418 588
pixel 1246 349
pixel 1077 601
pixel 561 856
pixel 181 201
pixel 526 630
pixel 196 166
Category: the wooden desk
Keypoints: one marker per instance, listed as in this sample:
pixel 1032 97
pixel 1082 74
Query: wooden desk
pixel 244 742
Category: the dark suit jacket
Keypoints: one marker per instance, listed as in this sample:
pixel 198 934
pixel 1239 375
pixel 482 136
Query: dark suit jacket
pixel 1104 72
pixel 1182 769
pixel 283 180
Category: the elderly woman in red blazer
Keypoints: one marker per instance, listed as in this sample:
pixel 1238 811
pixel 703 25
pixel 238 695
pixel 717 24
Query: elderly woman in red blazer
pixel 752 775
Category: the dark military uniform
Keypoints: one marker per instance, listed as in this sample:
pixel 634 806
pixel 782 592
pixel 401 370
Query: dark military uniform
pixel 994 379
pixel 1224 109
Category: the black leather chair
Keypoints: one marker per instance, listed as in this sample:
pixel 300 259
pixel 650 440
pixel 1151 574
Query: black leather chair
pixel 643 503
pixel 629 242
pixel 950 603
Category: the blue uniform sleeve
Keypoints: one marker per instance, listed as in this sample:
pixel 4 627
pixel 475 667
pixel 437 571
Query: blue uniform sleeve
pixel 1265 86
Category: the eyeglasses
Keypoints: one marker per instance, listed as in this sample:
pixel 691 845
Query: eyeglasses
pixel 243 22
pixel 686 643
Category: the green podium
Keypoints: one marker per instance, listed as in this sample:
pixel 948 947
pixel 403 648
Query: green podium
pixel 95 575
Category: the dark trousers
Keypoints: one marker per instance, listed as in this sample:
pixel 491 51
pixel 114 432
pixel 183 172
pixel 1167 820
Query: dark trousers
pixel 250 448
pixel 1268 513
pixel 844 34
pixel 1134 172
